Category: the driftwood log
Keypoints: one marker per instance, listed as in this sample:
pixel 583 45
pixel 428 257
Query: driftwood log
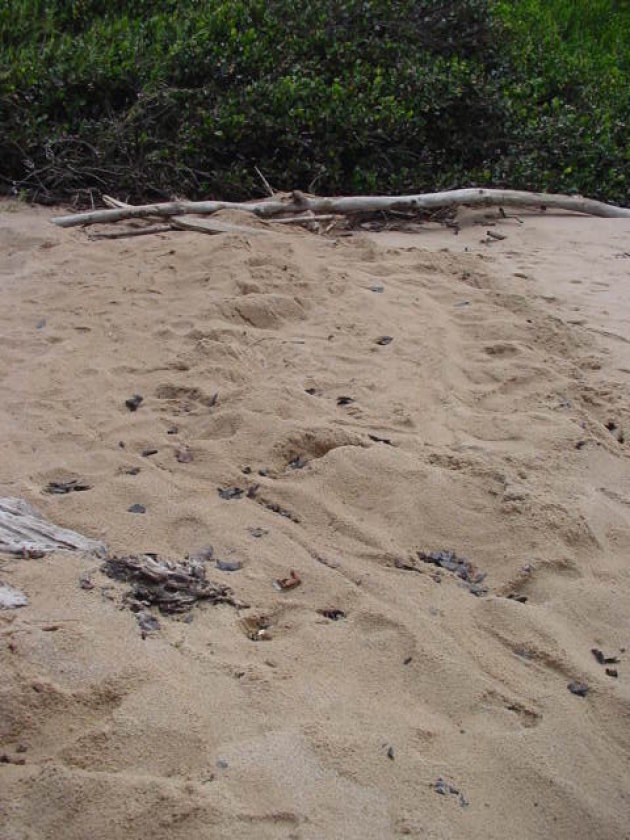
pixel 299 203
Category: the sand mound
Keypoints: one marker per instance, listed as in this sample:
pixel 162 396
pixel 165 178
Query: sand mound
pixel 277 426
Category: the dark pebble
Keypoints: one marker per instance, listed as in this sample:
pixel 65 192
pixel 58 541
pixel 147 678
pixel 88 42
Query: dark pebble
pixel 378 439
pixel 252 491
pixel 184 456
pixel 229 565
pixel 257 532
pixel 604 660
pixel 311 391
pixel 377 289
pixel 344 400
pixel 577 688
pixel 580 444
pixel 333 615
pixel 390 753
pixel 297 463
pixel 384 340
pixel 137 509
pixel 173 430
pixel 146 453
pixel 133 403
pixel 132 471
pixel 612 672
pixel 222 764
pixel 522 599
pixel 407 660
pixel 246 470
pixel 41 324
pixel 230 493
pixel 264 472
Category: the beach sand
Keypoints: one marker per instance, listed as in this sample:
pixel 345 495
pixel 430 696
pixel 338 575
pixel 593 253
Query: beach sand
pixel 482 428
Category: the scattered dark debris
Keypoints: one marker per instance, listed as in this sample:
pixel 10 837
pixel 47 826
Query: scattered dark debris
pixel 137 509
pixel 378 439
pixel 50 628
pixel 390 753
pixel 203 555
pixel 172 430
pixel 611 426
pixel 578 688
pixel 150 450
pixel 274 507
pixel 172 587
pixel 612 672
pixel 514 596
pixel 231 493
pixel 444 789
pixel 463 569
pixel 297 463
pixel 333 615
pixel 11 759
pixel 121 444
pixel 62 488
pixel 253 491
pixel 148 622
pixel 384 340
pixel 229 565
pixel 289 582
pixel 264 472
pixel 580 444
pixel 246 470
pixel 132 471
pixel 184 455
pixel 256 627
pixel 258 532
pixel 408 660
pixel 604 660
pixel 311 391
pixel 345 400
pixel 133 403
pixel 377 289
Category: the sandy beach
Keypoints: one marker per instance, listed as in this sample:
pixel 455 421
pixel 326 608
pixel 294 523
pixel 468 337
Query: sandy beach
pixel 378 398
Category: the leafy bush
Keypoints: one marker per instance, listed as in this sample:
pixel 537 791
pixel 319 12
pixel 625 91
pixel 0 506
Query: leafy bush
pixel 156 97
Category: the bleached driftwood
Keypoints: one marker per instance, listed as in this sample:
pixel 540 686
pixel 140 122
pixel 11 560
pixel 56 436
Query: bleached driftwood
pixel 346 205
pixel 23 531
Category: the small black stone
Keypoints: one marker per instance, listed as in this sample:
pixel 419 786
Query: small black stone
pixel 137 509
pixel 133 403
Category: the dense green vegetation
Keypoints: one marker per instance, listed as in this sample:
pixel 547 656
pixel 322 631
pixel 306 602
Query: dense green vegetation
pixel 156 97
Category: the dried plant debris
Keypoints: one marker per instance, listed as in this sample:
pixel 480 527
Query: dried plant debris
pixel 230 493
pixel 62 488
pixel 378 439
pixel 276 508
pixel 289 582
pixel 133 403
pixel 604 660
pixel 461 567
pixel 446 789
pixel 171 587
pixel 256 627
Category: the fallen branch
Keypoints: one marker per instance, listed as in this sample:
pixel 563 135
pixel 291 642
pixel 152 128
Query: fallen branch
pixel 123 234
pixel 300 203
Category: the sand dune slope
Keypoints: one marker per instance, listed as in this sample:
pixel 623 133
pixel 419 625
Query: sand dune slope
pixel 494 423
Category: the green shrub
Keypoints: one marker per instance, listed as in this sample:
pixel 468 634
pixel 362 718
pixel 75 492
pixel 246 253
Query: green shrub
pixel 152 98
